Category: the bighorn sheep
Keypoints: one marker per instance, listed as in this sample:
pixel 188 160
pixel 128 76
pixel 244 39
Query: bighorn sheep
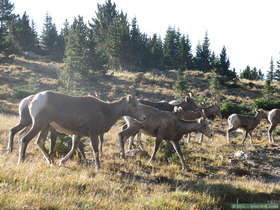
pixel 25 121
pixel 210 112
pixel 273 117
pixel 163 125
pixel 186 104
pixel 76 116
pixel 244 122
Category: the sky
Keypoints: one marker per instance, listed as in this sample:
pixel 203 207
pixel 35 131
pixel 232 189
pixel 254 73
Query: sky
pixel 249 29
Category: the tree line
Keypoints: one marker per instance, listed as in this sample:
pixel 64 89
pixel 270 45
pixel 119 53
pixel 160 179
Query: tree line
pixel 110 40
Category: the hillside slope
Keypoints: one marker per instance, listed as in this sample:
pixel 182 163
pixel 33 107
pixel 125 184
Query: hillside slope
pixel 216 176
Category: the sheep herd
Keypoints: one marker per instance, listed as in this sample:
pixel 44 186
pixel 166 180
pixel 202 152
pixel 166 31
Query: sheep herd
pixel 89 116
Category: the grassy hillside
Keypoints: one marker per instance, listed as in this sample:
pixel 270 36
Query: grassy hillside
pixel 215 177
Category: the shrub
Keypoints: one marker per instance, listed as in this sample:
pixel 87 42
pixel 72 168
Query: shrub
pixel 266 103
pixel 229 107
pixel 180 87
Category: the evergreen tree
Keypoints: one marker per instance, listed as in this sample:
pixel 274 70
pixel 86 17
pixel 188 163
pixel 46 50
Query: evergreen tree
pixel 75 67
pixel 224 63
pixel 156 52
pixel 138 49
pixel 203 55
pixel 6 16
pixel 50 38
pixel 251 74
pixel 184 53
pixel 270 73
pixel 111 31
pixel 171 48
pixel 277 71
pixel 21 35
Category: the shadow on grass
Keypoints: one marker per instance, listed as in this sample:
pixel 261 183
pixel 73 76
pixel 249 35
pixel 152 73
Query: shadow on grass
pixel 225 194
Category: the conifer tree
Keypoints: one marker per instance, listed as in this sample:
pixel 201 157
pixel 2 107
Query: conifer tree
pixel 6 16
pixel 277 71
pixel 184 53
pixel 156 52
pixel 49 38
pixel 171 48
pixel 203 55
pixel 270 73
pixel 21 35
pixel 224 63
pixel 75 67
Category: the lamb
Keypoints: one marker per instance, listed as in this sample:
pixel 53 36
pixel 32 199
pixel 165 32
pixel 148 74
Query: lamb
pixel 244 122
pixel 210 112
pixel 76 116
pixel 163 125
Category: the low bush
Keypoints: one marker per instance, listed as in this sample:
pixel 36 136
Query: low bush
pixel 229 107
pixel 266 103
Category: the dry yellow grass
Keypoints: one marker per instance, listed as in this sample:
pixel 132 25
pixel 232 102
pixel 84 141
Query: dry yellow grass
pixel 211 181
pixel 131 183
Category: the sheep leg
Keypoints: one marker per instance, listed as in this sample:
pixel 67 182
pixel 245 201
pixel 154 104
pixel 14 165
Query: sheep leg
pixel 101 140
pixel 201 139
pixel 124 135
pixel 250 135
pixel 270 135
pixel 13 132
pixel 75 140
pixel 35 129
pixel 245 136
pixel 189 138
pixel 156 147
pixel 177 148
pixel 131 142
pixel 140 141
pixel 41 143
pixel 228 132
pixel 95 147
pixel 53 136
pixel 81 150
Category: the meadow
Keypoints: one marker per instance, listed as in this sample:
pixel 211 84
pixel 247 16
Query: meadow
pixel 215 177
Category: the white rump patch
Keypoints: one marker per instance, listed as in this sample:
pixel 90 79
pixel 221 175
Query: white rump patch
pixel 23 103
pixel 38 103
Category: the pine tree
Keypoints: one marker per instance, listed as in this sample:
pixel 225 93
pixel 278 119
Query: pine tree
pixel 171 48
pixel 184 53
pixel 75 67
pixel 277 71
pixel 251 74
pixel 270 73
pixel 6 16
pixel 189 55
pixel 203 55
pixel 21 35
pixel 156 52
pixel 49 38
pixel 111 31
pixel 223 62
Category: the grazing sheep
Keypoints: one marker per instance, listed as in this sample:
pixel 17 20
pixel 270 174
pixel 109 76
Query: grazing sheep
pixel 76 116
pixel 209 112
pixel 163 125
pixel 24 124
pixel 245 122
